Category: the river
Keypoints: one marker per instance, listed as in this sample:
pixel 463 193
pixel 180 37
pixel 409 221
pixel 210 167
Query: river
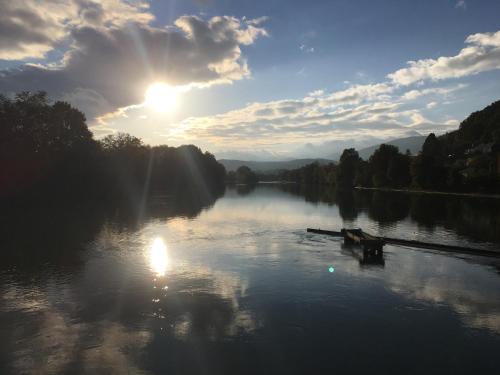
pixel 236 285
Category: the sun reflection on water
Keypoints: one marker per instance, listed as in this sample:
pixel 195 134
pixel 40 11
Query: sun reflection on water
pixel 158 257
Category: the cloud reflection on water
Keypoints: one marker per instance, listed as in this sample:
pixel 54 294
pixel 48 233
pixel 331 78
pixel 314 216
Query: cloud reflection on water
pixel 244 270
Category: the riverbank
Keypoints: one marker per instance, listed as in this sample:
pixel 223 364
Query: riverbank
pixel 413 191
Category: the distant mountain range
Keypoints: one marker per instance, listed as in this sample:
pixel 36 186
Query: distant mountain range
pixel 269 166
pixel 414 144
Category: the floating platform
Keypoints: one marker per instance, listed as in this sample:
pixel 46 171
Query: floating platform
pixel 369 242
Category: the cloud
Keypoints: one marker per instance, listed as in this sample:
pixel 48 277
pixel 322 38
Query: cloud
pixel 471 301
pixel 30 28
pixel 326 121
pixel 482 54
pixel 305 40
pixel 439 91
pixel 25 32
pixel 461 5
pixel 357 93
pixel 306 49
pixel 111 61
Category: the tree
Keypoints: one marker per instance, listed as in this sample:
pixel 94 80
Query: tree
pixel 363 174
pixel 312 174
pixel 398 171
pixel 389 167
pixel 347 168
pixel 379 163
pixel 244 175
pixel 433 147
pixel 43 144
pixel 428 169
pixel 121 142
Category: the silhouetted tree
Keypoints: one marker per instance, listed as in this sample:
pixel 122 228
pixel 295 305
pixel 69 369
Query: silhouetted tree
pixel 363 174
pixel 348 165
pixel 428 170
pixel 47 149
pixel 379 163
pixel 43 145
pixel 389 168
pixel 244 175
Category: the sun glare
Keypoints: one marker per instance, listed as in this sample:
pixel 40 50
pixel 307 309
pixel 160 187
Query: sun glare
pixel 158 257
pixel 161 97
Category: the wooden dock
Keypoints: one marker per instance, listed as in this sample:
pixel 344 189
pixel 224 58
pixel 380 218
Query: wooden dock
pixel 373 243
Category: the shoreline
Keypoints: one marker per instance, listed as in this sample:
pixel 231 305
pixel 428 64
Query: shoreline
pixel 413 191
pixel 409 191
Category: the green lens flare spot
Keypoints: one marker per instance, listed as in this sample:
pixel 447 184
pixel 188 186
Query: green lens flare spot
pixel 331 269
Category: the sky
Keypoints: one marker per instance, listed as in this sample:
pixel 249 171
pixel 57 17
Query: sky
pixel 261 79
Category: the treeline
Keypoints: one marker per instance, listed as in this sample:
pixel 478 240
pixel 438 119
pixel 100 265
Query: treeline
pixel 465 160
pixel 387 167
pixel 46 149
pixel 243 175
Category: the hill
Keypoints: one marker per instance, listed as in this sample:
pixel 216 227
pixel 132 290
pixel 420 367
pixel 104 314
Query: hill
pixel 414 144
pixel 480 128
pixel 270 166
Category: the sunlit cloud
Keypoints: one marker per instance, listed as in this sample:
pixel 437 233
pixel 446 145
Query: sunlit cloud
pixel 114 53
pixel 481 54
pixel 370 112
pixel 30 28
pixel 442 92
pixel 461 4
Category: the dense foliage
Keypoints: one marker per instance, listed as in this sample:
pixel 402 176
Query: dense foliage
pixel 243 175
pixel 47 149
pixel 313 173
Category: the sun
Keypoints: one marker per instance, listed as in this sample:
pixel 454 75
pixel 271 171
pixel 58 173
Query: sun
pixel 161 97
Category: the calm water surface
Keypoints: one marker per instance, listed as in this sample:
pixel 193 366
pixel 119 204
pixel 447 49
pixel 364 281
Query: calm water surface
pixel 238 286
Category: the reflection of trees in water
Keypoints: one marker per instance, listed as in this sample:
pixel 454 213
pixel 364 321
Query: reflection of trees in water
pixel 474 217
pixel 245 189
pixel 311 193
pixel 55 231
pixel 478 218
pixel 160 205
pixel 388 208
pixel 31 236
